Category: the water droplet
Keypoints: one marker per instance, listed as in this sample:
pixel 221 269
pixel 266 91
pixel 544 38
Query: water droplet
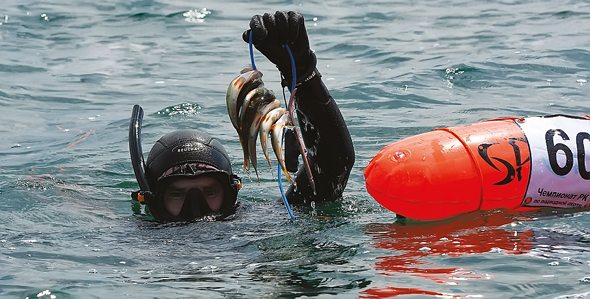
pixel 400 156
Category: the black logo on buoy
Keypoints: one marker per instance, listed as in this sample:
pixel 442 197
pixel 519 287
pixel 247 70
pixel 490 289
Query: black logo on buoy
pixel 512 171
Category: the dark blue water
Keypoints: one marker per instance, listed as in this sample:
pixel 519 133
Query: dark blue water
pixel 72 70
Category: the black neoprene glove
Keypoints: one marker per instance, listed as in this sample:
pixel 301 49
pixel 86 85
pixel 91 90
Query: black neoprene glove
pixel 270 32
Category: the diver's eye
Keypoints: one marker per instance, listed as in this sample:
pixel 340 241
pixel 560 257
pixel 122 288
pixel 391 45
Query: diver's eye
pixel 210 192
pixel 176 195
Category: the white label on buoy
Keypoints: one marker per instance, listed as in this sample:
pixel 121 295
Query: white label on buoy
pixel 560 166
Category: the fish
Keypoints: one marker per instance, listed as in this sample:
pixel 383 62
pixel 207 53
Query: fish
pixel 255 112
pixel 277 140
pixel 257 103
pixel 269 119
pixel 242 134
pixel 248 80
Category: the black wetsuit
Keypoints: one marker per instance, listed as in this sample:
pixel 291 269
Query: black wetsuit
pixel 328 144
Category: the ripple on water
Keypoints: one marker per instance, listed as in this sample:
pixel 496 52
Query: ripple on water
pixel 396 69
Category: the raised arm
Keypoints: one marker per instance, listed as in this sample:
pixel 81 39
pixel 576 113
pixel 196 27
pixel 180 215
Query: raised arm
pixel 327 141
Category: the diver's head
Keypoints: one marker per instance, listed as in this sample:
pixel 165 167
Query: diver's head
pixel 190 174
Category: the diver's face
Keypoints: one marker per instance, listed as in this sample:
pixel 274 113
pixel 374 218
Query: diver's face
pixel 176 192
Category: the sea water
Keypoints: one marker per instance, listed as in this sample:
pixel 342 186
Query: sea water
pixel 72 70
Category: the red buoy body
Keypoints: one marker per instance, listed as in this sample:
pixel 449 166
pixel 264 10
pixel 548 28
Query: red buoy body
pixel 488 165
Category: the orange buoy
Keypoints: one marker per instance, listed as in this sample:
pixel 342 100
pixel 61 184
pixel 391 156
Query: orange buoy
pixel 515 163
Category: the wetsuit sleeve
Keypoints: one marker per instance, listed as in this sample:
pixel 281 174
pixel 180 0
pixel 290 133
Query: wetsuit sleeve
pixel 328 144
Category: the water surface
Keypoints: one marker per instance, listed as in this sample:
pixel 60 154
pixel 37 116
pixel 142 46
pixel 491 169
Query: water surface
pixel 72 70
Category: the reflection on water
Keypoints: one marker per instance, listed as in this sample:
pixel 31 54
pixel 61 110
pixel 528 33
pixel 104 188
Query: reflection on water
pixel 414 247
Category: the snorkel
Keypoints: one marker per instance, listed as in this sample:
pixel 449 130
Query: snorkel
pixel 144 195
pixel 135 148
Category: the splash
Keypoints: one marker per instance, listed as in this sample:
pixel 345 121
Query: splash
pixel 196 15
pixel 182 109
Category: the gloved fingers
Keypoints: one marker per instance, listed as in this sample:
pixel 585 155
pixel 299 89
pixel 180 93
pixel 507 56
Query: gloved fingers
pixel 279 28
pixel 295 24
pixel 264 34
pixel 282 27
pixel 299 33
pixel 269 22
pixel 246 35
pixel 263 29
pixel 259 31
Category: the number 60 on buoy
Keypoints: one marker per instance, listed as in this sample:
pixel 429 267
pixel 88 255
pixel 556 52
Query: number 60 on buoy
pixel 514 163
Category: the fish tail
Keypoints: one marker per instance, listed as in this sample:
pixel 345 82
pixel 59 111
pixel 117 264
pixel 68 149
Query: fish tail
pixel 245 151
pixel 264 145
pixel 253 158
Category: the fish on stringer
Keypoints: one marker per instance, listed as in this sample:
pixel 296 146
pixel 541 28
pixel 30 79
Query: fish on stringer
pixel 254 110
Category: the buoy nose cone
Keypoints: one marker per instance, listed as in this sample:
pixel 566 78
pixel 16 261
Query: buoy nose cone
pixel 425 177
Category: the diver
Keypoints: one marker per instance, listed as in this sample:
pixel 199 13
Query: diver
pixel 188 174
